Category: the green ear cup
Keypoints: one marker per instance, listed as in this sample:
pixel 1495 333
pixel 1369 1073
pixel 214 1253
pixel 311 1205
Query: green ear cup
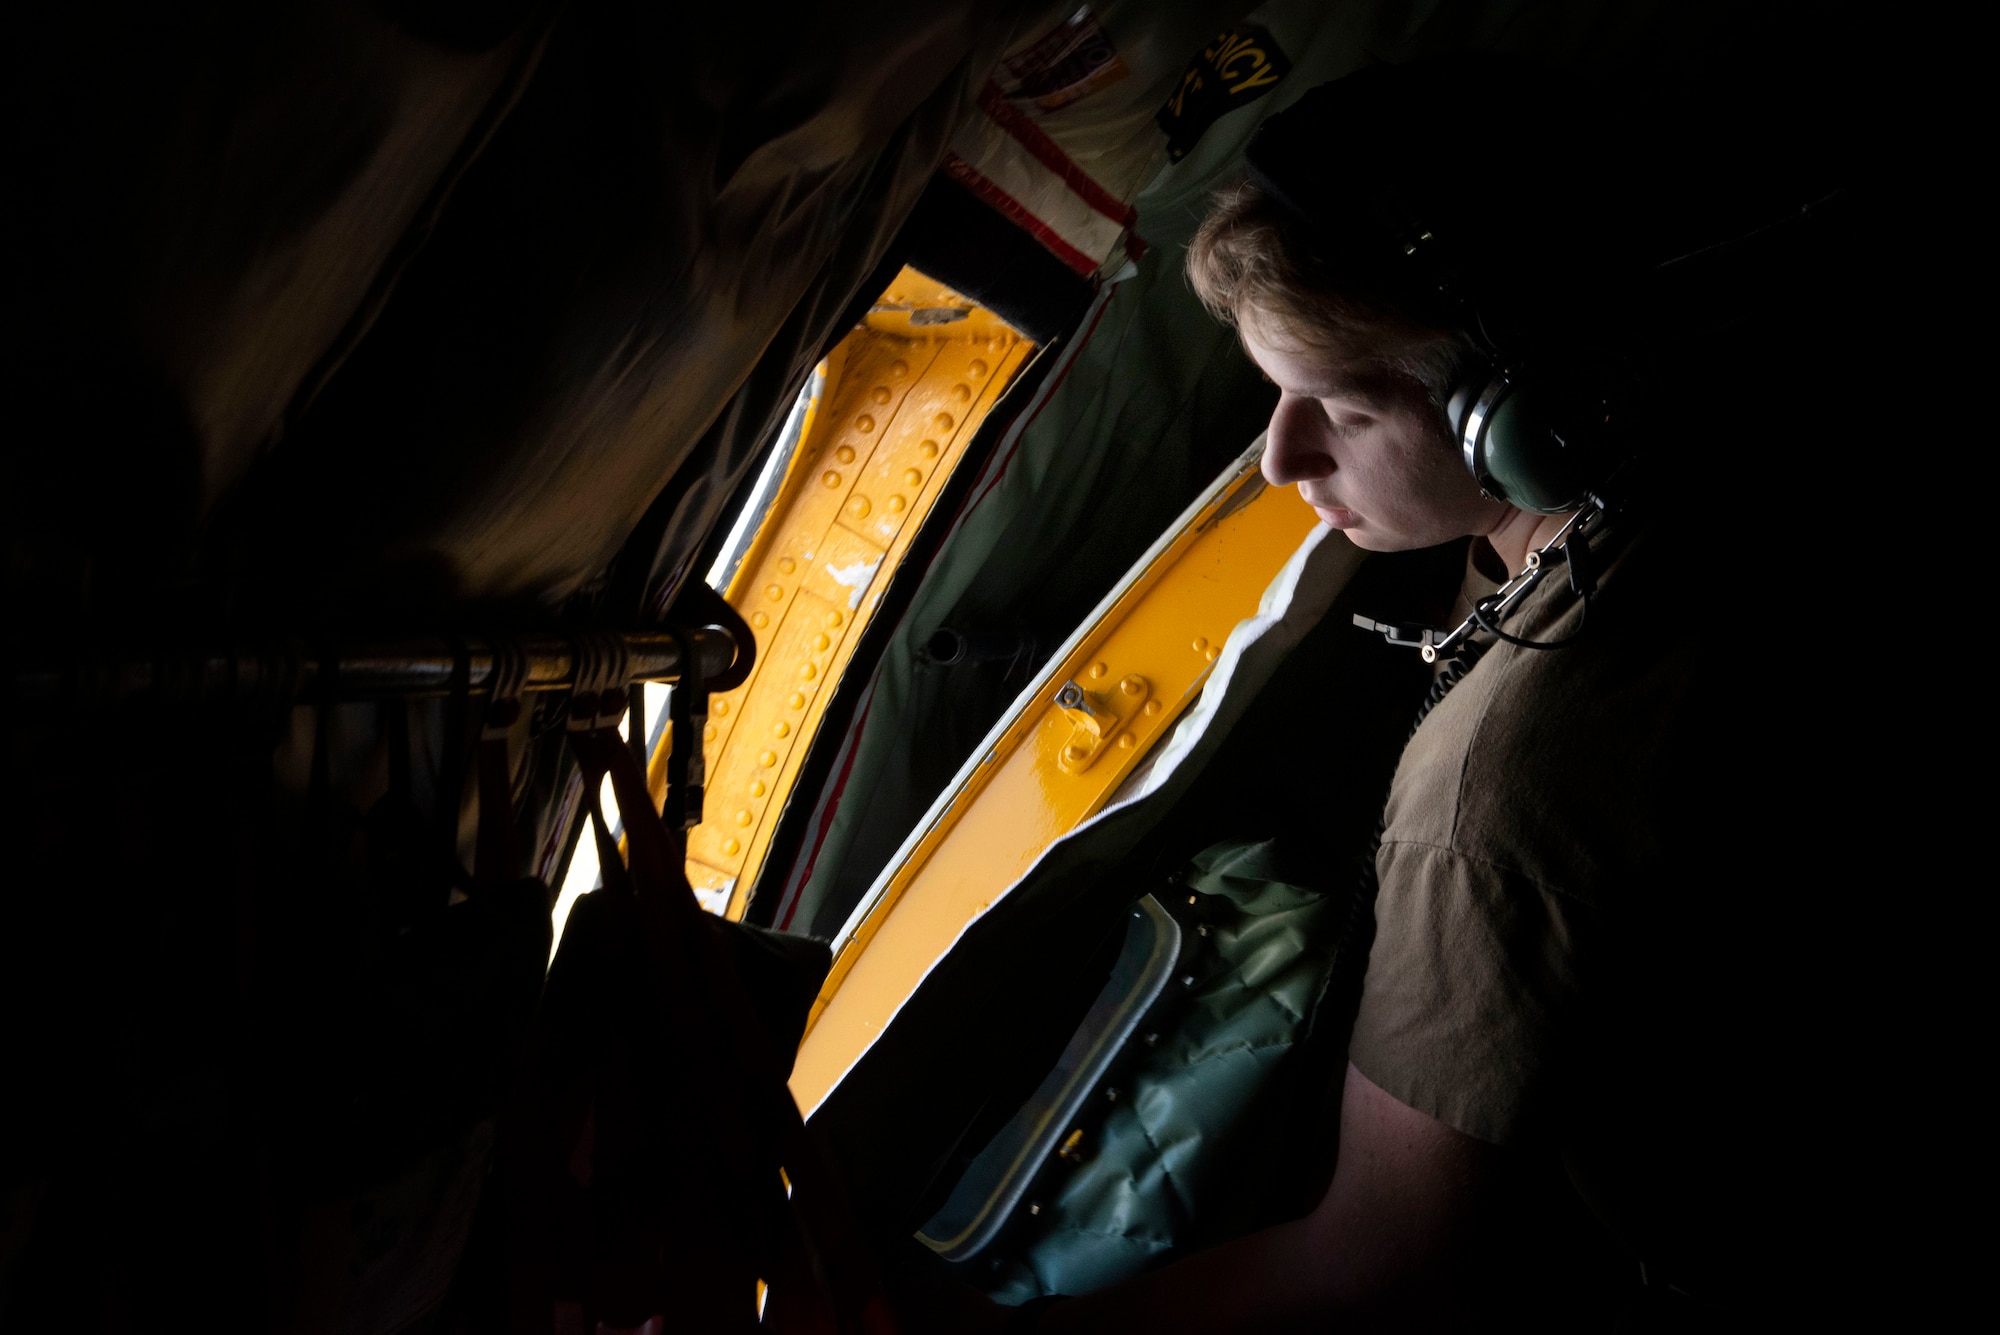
pixel 1535 443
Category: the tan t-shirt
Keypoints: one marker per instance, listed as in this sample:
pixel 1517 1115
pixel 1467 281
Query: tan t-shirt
pixel 1579 954
pixel 1523 842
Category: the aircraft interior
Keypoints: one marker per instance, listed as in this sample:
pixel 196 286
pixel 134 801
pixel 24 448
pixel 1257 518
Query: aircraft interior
pixel 654 686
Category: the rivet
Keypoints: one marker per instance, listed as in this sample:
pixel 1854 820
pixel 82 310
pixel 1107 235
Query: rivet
pixel 786 565
pixel 1126 741
pixel 830 478
pixel 708 733
pixel 899 368
pixel 1152 708
pixel 1200 644
pixel 759 620
pixel 781 729
pixel 858 507
pixel 731 847
pixel 833 618
pixel 767 759
pixel 898 299
pixel 912 478
pixel 1212 654
pixel 929 449
pixel 942 422
pixel 1077 752
pixel 807 672
pixel 978 368
pixel 1152 1040
pixel 1132 685
pixel 1098 669
pixel 1201 930
pixel 775 592
pixel 864 424
pixel 997 343
pixel 1187 980
pixel 845 454
pixel 718 707
pixel 880 393
pixel 744 817
pixel 1034 1207
pixel 961 392
pixel 796 700
pixel 820 641
pixel 895 505
pixel 757 788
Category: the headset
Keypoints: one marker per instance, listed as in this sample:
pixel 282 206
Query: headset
pixel 1419 182
pixel 1543 419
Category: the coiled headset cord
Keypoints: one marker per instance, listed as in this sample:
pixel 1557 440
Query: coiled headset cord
pixel 1571 543
pixel 1483 613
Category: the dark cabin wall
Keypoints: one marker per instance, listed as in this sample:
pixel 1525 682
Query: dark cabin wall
pixel 205 206
pixel 349 319
pixel 338 316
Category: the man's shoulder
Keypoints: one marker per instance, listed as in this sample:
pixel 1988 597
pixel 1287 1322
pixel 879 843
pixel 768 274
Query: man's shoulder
pixel 1551 763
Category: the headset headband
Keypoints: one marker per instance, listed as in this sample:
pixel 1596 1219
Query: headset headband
pixel 1388 200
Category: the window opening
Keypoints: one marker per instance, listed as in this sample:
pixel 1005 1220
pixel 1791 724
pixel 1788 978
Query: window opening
pixel 861 459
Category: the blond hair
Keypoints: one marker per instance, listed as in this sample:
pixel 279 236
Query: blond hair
pixel 1251 258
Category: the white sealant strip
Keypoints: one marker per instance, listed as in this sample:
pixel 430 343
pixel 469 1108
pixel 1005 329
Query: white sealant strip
pixel 1294 601
pixel 987 750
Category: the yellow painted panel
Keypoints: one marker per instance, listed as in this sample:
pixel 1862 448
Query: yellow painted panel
pixel 916 306
pixel 904 394
pixel 1057 763
pixel 763 727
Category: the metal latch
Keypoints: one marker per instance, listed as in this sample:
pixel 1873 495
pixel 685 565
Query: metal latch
pixel 1097 719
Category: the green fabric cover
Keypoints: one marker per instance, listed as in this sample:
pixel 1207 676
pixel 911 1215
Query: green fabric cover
pixel 1207 1125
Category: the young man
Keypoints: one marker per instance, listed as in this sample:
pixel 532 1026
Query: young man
pixel 1576 1086
pixel 1540 1103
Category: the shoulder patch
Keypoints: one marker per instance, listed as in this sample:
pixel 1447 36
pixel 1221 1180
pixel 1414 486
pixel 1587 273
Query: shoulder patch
pixel 1238 67
pixel 1071 62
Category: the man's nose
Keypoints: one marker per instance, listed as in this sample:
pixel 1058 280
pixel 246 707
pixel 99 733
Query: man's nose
pixel 1293 450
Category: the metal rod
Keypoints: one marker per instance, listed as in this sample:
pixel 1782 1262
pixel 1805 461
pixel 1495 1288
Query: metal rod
pixel 405 668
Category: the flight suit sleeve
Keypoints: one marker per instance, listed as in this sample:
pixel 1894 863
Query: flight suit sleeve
pixel 1473 996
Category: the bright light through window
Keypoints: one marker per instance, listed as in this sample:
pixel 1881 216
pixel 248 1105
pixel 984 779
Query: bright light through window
pixel 585 874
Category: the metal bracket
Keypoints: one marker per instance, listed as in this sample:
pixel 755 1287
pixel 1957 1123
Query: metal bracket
pixel 1398 633
pixel 1097 719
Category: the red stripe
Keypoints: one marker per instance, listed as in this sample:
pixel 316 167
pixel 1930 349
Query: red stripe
pixel 969 176
pixel 1031 137
pixel 1061 376
pixel 827 811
